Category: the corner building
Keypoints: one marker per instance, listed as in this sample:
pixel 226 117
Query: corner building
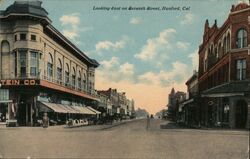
pixel 224 71
pixel 41 68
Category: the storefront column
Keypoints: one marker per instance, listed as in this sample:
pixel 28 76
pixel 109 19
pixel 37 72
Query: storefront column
pixel 31 115
pixel 248 115
pixel 27 114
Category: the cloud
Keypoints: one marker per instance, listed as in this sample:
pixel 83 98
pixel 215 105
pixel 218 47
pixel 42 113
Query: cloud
pixel 178 73
pixel 182 45
pixel 113 46
pixel 188 19
pixel 71 26
pixel 71 19
pixel 108 64
pixel 113 70
pixel 195 59
pixel 243 1
pixel 156 46
pixel 135 20
pixel 127 69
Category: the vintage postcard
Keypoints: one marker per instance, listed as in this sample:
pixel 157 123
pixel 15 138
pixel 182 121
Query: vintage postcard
pixel 130 79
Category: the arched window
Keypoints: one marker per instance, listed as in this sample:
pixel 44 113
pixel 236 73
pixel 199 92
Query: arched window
pixel 50 67
pixel 74 78
pixel 205 61
pixel 5 53
pixel 224 46
pixel 79 79
pixel 220 50
pixel 67 75
pixel 84 81
pixel 59 71
pixel 241 40
pixel 228 42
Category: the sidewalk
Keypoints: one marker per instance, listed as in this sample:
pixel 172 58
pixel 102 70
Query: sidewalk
pixel 64 127
pixel 99 127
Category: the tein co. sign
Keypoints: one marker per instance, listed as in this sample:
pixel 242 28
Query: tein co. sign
pixel 18 82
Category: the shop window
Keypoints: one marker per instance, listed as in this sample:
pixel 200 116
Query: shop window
pixel 241 69
pixel 23 36
pixel 50 67
pixel 241 40
pixel 33 63
pixel 33 37
pixel 67 75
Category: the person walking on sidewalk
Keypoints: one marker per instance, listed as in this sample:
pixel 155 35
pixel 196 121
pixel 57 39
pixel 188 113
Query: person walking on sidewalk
pixel 45 120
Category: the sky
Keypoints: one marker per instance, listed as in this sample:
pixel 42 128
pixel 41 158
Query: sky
pixel 141 52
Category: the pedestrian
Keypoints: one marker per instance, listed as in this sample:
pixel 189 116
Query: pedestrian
pixel 148 122
pixel 45 120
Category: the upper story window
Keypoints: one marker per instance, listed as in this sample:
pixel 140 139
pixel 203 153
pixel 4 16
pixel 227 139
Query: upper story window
pixel 228 42
pixel 59 71
pixel 241 40
pixel 22 62
pixel 23 36
pixel 67 75
pixel 74 78
pixel 16 37
pixel 79 80
pixel 33 63
pixel 241 69
pixel 50 66
pixel 33 37
pixel 84 81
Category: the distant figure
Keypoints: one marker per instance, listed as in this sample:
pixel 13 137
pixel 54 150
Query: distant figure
pixel 148 122
pixel 45 120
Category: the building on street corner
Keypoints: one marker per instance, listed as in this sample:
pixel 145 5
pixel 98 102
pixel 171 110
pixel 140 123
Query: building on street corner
pixel 41 70
pixel 224 71
pixel 189 109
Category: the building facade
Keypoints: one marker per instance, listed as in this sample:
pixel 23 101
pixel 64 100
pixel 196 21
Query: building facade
pixel 190 109
pixel 224 71
pixel 40 66
pixel 174 100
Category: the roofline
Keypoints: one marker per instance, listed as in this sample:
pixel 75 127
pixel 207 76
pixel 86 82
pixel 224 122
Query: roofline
pixel 62 37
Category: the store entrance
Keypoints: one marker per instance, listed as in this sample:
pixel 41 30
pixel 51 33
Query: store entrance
pixel 241 114
pixel 23 114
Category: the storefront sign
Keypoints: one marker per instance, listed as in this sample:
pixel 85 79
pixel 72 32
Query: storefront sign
pixel 17 82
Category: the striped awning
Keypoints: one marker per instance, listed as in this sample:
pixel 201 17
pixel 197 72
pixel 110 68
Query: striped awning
pixel 54 107
pixel 92 109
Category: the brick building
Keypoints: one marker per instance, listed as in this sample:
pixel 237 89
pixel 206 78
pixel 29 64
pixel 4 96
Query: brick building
pixel 40 69
pixel 224 70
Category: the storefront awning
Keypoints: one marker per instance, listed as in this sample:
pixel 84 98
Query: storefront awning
pixel 70 109
pixel 54 107
pixel 92 109
pixel 84 110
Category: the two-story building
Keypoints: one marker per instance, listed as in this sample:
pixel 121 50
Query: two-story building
pixel 41 69
pixel 224 70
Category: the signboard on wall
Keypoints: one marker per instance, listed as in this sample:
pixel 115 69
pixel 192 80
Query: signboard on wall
pixel 17 82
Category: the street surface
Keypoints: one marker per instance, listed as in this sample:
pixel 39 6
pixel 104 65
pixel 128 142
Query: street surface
pixel 127 140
